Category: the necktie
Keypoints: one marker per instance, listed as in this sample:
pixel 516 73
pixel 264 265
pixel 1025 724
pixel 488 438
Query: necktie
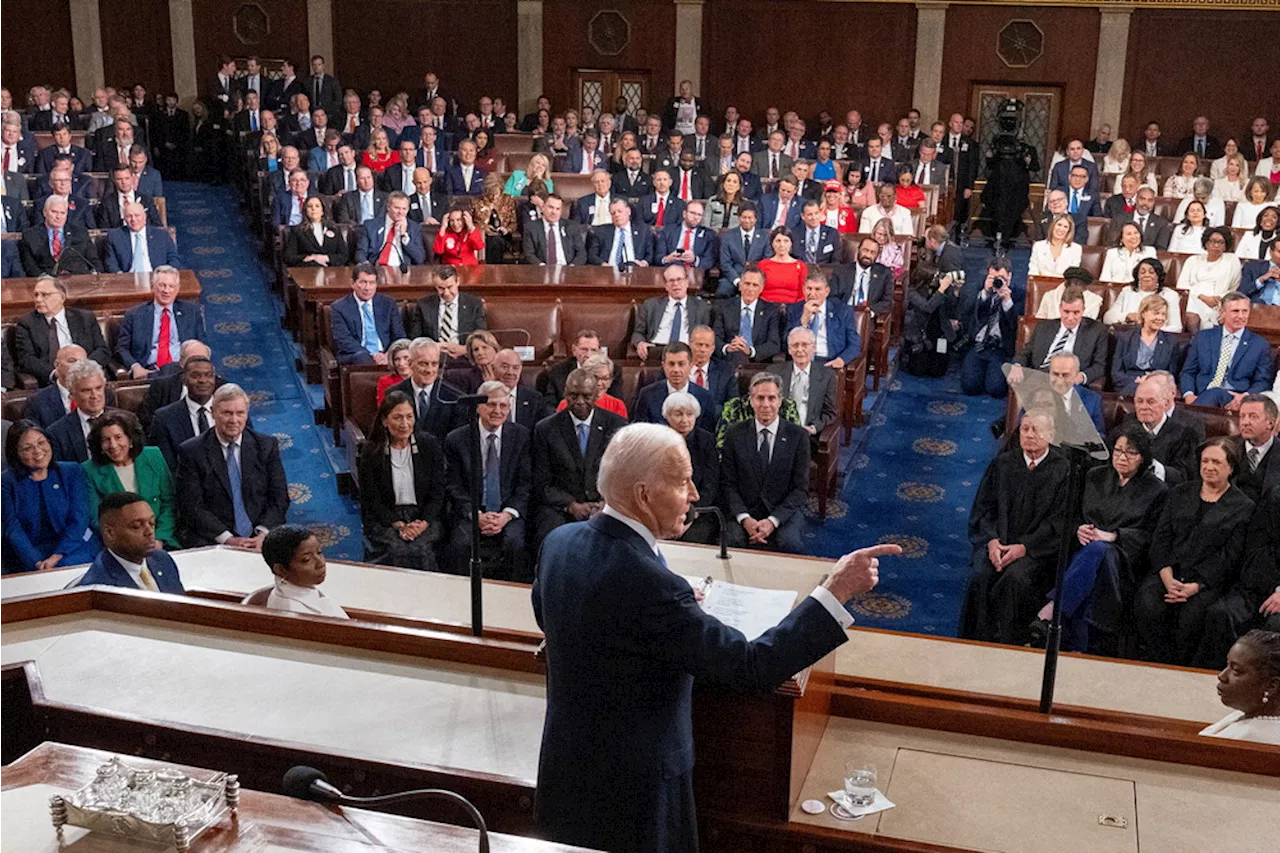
pixel 662 212
pixel 243 525
pixel 350 183
pixel 447 330
pixel 1200 147
pixel 424 405
pixel 1059 344
pixel 619 255
pixel 163 355
pixel 141 259
pixel 253 121
pixel 764 450
pixel 1225 355
pixel 552 257
pixel 202 419
pixel 1257 150
pixel 54 343
pixel 811 247
pixel 148 582
pixel 1254 458
pixel 1075 201
pixel 371 340
pixel 773 165
pixel 384 257
pixel 582 439
pixel 744 328
pixel 746 246
pixel 800 391
pixel 56 248
pixel 1142 225
pixel 920 174
pixel 684 185
pixel 875 171
pixel 1031 466
pixel 7 150
pixel 685 241
pixel 296 215
pixel 492 475
pixel 699 377
pixel 861 295
pixel 677 325
pixel 316 99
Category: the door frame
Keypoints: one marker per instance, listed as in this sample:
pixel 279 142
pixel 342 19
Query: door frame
pixel 1020 90
pixel 613 80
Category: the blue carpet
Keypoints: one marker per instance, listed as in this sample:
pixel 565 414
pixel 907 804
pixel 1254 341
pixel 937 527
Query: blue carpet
pixel 242 317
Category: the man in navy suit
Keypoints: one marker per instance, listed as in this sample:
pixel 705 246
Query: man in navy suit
pixel 782 207
pixel 52 402
pixel 81 157
pixel 507 480
pixel 432 153
pixel 740 247
pixel 621 244
pixel 434 400
pixel 135 247
pixel 717 376
pixel 688 181
pixel 1060 177
pixel 752 187
pixel 676 361
pixel 365 323
pixel 626 638
pixel 68 435
pixel 152 333
pixel 817 242
pixel 17 152
pixel 131 558
pixel 465 178
pixel 10 260
pixel 527 405
pixel 687 242
pixel 110 212
pixel 746 327
pixel 395 240
pixel 1206 380
pixel 876 168
pixel 1260 280
pixel 661 208
pixel 366 202
pixel 288 208
pixel 588 150
pixel 188 416
pixel 830 320
pixel 399 176
pixel 1081 201
pixel 230 484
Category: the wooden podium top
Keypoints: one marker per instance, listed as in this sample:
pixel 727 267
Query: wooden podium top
pixel 266 822
pixel 109 292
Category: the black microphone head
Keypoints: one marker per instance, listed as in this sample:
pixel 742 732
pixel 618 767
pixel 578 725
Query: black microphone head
pixel 297 782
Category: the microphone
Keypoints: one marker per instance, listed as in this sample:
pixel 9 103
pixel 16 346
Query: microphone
pixel 57 266
pixel 719 514
pixel 308 783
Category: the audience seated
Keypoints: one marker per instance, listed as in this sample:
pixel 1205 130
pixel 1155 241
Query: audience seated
pixel 118 462
pixel 151 334
pixel 55 245
pixel 746 327
pixel 528 407
pixel 288 210
pixel 298 566
pixel 665 320
pixel 1209 276
pixel 1260 280
pixel 1259 467
pixel 1071 332
pixel 189 415
pixel 1248 682
pixel 38 337
pixel 686 242
pixel 447 317
pixel 867 281
pixel 138 247
pixel 717 376
pixel 620 243
pixel 459 239
pixel 676 361
pixel 887 207
pixel 52 402
pixel 112 206
pixel 69 434
pixel 740 247
pixel 363 203
pixel 1148 279
pixel 554 241
pixel 831 321
pixel 314 242
pixel 464 178
pixel 230 483
pixel 131 557
pixel 365 322
pixel 811 387
pixel 1144 349
pixel 784 275
pixel 1226 362
pixel 680 411
pixel 394 240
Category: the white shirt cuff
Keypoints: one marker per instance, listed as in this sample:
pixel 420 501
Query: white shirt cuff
pixel 742 516
pixel 773 521
pixel 222 537
pixel 260 530
pixel 824 597
pixel 511 512
pixel 1158 468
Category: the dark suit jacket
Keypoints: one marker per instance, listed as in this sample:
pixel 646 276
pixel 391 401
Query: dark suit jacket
pixel 107 156
pixel 454 184
pixel 31 341
pixel 1250 272
pixel 842 335
pixel 109 215
pixel 704 245
pixel 392 178
pixel 585 207
pixel 300 241
pixel 573 160
pixel 1174 447
pixel 1265 476
pixel 558 374
pixel 766 328
pixel 699 188
pixel 170 427
pixel 377 495
pixel 1250 369
pixel 203 491
pixel 330 93
pixel 424 319
pixel 334 180
pixel 672 212
pixel 160 249
pixel 600 243
pixel 769 213
pixel 887 171
pixel 1062 170
pixel 515 470
pixel 42 120
pixel 649 400
pixel 821 411
pixel 1114 207
pixel 134 344
pixel 879 293
pixel 163 390
pixel 348 332
pixel 347 210
pixel 571 239
pixel 15 217
pixel 442 416
pixel 624 188
pixel 10 261
pixel 375 236
pixel 560 472
pixel 1212 147
pixel 1125 372
pixel 721 381
pixel 45 406
pixel 436 206
pixel 530 408
pixel 830 246
pixel 1090 347
pixel 68 439
pixel 282 208
pixel 733 260
pixel 782 490
pixel 649 316
pixel 78 254
pixel 107 571
pixel 82 159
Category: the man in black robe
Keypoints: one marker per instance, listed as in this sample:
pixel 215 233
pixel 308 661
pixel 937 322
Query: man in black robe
pixel 1173 443
pixel 1015 528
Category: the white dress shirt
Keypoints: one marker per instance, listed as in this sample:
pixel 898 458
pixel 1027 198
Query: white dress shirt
pixel 402 476
pixel 134 569
pixel 663 335
pixel 64 331
pixel 193 412
pixel 800 387
pixel 292 598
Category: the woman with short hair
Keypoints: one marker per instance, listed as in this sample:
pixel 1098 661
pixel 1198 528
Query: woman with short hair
pixel 398 360
pixel 681 411
pixel 600 366
pixel 1250 684
pixel 293 552
pixel 1210 275
pixel 119 462
pixel 1147 348
pixel 45 506
pixel 1215 212
pixel 784 275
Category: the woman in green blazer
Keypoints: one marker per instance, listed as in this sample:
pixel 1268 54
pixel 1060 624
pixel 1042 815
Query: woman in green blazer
pixel 118 462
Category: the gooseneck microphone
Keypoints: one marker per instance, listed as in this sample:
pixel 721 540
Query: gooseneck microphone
pixel 308 783
pixel 719 514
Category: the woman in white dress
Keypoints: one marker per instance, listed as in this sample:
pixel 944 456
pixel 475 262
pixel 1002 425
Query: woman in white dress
pixel 1269 167
pixel 1139 169
pixel 1218 168
pixel 1255 198
pixel 1148 278
pixel 1121 259
pixel 1230 186
pixel 1052 256
pixel 1182 184
pixel 1116 161
pixel 1215 212
pixel 1250 684
pixel 1188 233
pixel 294 555
pixel 1210 275
pixel 1256 244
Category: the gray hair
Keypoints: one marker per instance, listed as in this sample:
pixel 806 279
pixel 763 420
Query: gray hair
pixel 681 401
pixel 1202 186
pixel 163 269
pixel 229 391
pixel 85 368
pixel 1233 296
pixel 189 347
pixel 52 200
pixel 1163 379
pixel 763 378
pixel 399 346
pixel 58 284
pixel 801 330
pixel 636 454
pixel 1075 359
pixel 493 386
pixel 423 343
pixel 597 361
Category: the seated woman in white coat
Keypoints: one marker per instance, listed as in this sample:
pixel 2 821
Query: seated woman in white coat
pixel 1210 275
pixel 293 553
pixel 1255 243
pixel 1124 256
pixel 1256 194
pixel 1188 232
pixel 1051 302
pixel 1058 251
pixel 1215 211
pixel 1148 279
pixel 1250 684
pixel 1231 185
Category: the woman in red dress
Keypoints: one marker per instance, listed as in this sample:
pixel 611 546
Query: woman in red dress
pixel 378 156
pixel 838 215
pixel 459 240
pixel 910 195
pixel 783 274
pixel 398 361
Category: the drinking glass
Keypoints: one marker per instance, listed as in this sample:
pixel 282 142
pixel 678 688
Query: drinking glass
pixel 859 783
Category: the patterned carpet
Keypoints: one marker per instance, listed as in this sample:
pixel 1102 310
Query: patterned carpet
pixel 910 474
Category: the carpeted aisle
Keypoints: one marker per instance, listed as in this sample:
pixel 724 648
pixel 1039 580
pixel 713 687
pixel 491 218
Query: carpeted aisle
pixel 242 318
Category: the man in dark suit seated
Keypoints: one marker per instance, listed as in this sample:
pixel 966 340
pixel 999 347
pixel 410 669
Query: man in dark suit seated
pixel 781 207
pixel 163 390
pixel 15 220
pixel 716 375
pixel 81 157
pixel 363 204
pixel 289 209
pixel 584 156
pixel 448 316
pixel 399 176
pixel 395 240
pixel 684 241
pixel 815 241
pixel 114 143
pixel 746 327
pixel 830 320
pixel 551 240
pixel 527 405
pixel 110 211
pixel 663 320
pixel 586 343
pixel 55 246
pixel 866 281
pixel 1156 230
pixel 57 117
pixel 69 434
pixel 620 702
pixel 426 206
pixel 661 208
pixel 1060 176
pixel 131 557
pixel 75 191
pixel 676 360
pixel 40 335
pixel 687 180
pixel 341 178
pixel 190 415
pixel 434 400
pixel 1174 441
pixel 1260 280
pixel 764 474
pixel 1199 142
pixel 740 247
pixel 812 387
pixel 365 322
pixel 1071 332
pixel 18 150
pixel 1082 202
pixel 507 475
pixel 1260 460
pixel 464 178
pixel 230 484
pixel 632 182
pixel 137 247
pixel 752 186
pixel 566 451
pixel 52 402
pixel 1227 363
pixel 10 260
pixel 1123 202
pixel 623 243
pixel 151 334
pixel 992 330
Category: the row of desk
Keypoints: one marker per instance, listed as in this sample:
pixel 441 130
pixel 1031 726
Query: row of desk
pixel 108 293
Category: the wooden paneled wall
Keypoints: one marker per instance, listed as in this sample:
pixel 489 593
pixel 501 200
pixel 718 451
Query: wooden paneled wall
pixel 215 34
pixel 36 46
pixel 124 24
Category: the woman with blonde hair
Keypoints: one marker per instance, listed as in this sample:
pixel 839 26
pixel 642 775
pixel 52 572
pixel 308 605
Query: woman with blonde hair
pixel 378 156
pixel 539 167
pixel 1058 250
pixel 1140 170
pixel 1116 162
pixel 495 214
pixel 1235 176
pixel 891 253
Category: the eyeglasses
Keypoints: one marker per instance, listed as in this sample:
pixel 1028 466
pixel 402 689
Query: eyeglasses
pixel 1128 452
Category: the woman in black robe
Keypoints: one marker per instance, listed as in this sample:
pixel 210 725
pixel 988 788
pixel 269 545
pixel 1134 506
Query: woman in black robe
pixel 1195 553
pixel 1119 508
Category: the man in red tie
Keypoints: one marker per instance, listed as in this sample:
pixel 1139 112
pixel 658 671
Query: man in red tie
pixel 688 179
pixel 660 208
pixel 151 334
pixel 1259 144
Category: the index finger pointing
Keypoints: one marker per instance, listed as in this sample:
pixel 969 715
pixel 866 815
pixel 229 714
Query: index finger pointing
pixel 886 550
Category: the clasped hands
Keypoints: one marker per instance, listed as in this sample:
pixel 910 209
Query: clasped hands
pixel 584 511
pixel 758 532
pixel 491 523
pixel 1175 591
pixel 1087 533
pixel 1002 555
pixel 411 530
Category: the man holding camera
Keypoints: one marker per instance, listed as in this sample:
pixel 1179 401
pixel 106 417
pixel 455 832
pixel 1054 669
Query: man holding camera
pixel 992 326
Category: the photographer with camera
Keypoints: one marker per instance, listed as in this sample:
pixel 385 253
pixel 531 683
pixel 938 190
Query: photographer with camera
pixel 931 328
pixel 991 326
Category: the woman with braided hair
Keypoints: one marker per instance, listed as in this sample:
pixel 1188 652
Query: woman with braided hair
pixel 1250 683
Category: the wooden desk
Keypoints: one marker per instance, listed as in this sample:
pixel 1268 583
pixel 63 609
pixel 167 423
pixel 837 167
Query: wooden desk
pixel 263 822
pixel 111 293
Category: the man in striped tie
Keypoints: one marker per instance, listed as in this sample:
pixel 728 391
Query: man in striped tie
pixel 1071 333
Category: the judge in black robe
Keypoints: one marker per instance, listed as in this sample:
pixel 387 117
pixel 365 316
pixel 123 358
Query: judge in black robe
pixel 1200 542
pixel 1015 506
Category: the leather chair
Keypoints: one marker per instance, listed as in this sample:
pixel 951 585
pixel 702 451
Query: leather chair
pixel 539 321
pixel 613 323
pixel 506 143
pixel 571 186
pixel 1093 255
pixel 360 405
pixel 1097 235
pixel 258 598
pixel 855 377
pixel 518 160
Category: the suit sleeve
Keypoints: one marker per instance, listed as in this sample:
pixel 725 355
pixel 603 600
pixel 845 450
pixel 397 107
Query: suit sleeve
pixel 519 499
pixel 729 493
pixel 98 350
pixel 415 249
pixel 1097 366
pixel 124 342
pixel 799 494
pixel 362 247
pixel 707 259
pixel 397 322
pixel 276 487
pixel 642 331
pixel 852 343
pixel 15 535
pixel 77 498
pixel 24 352
pixel 458 468
pixel 198 310
pixel 344 343
pixel 530 251
pixel 1190 369
pixel 166 513
pixel 1261 379
pixel 374 510
pixel 201 524
pixel 549 493
pixel 114 263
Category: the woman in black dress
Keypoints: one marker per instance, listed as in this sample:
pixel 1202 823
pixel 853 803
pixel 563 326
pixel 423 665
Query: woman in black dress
pixel 314 242
pixel 681 411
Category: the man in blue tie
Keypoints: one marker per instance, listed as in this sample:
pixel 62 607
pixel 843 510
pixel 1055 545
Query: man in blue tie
pixel 1260 280
pixel 365 323
pixel 1081 201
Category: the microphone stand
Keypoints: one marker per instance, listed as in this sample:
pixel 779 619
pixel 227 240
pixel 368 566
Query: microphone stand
pixel 719 514
pixel 476 487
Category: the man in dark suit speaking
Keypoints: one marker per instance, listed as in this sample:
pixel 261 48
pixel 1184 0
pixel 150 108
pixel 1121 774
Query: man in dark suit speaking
pixel 625 639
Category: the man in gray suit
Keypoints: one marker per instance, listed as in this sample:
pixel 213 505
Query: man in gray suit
pixel 811 386
pixel 721 160
pixel 927 168
pixel 771 163
pixel 662 320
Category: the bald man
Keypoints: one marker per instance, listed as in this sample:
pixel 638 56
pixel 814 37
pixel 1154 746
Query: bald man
pixel 625 640
pixel 138 247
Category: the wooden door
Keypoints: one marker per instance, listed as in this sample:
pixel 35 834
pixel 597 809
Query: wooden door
pixel 1040 118
pixel 599 89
